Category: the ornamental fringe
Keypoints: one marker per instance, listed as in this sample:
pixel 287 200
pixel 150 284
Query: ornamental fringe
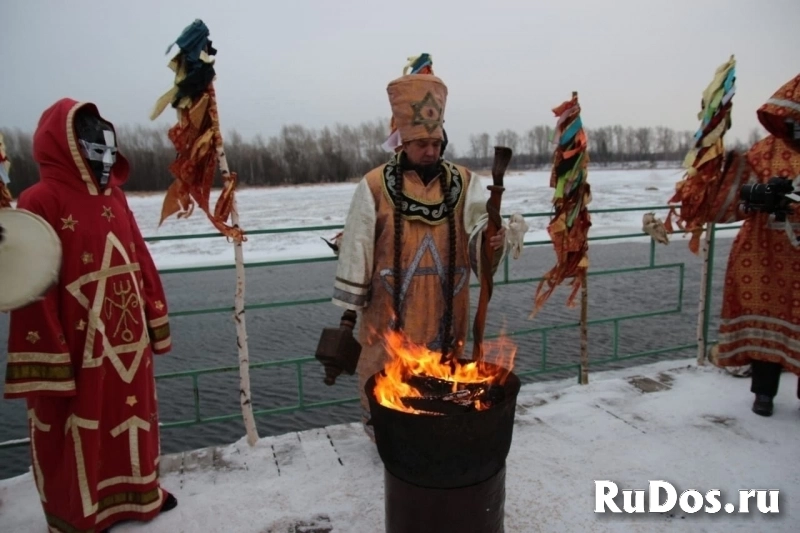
pixel 704 162
pixel 569 226
pixel 196 137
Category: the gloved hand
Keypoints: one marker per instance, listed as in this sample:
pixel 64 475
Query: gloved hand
pixel 517 228
pixel 338 350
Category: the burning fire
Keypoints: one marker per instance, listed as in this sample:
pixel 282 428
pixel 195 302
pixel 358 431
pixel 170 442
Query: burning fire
pixel 408 361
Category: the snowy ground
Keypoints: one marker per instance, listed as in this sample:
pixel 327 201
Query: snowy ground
pixel 693 429
pixel 326 205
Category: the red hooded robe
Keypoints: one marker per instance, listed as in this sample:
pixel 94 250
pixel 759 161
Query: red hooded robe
pixel 760 317
pixel 82 357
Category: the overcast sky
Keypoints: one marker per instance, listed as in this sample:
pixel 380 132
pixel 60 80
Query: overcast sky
pixel 318 62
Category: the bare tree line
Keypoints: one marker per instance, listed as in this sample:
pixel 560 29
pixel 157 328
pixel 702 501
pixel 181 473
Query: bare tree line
pixel 298 155
pixel 607 145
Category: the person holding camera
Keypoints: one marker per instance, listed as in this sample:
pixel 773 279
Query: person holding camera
pixel 760 318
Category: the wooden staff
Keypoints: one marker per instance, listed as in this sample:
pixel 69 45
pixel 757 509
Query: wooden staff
pixel 502 157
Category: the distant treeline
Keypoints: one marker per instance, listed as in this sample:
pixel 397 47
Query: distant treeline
pixel 300 155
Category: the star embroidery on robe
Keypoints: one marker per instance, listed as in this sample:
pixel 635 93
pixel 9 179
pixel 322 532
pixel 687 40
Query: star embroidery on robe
pixel 69 223
pixel 125 357
pixel 427 113
pixel 33 337
pixel 80 325
pixel 131 400
pixel 107 213
pixel 159 305
pixel 87 258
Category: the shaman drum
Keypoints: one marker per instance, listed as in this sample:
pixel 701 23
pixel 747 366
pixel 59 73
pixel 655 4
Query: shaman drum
pixel 30 258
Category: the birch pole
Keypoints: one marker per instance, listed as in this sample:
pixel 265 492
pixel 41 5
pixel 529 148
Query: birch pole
pixel 245 400
pixel 694 194
pixel 197 137
pixel 571 221
pixel 584 331
pixel 703 301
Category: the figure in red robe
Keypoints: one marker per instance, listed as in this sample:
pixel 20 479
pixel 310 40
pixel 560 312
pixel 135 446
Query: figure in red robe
pixel 760 318
pixel 82 356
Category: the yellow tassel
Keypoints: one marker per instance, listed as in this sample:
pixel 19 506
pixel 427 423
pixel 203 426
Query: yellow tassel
pixel 409 64
pixel 197 113
pixel 163 102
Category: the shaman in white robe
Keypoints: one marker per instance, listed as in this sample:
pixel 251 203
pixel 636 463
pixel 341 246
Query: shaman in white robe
pixel 365 274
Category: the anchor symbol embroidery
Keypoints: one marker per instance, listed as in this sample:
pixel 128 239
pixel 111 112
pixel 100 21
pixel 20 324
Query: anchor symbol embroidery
pixel 127 301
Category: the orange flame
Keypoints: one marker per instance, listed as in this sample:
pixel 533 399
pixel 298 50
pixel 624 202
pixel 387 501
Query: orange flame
pixel 407 359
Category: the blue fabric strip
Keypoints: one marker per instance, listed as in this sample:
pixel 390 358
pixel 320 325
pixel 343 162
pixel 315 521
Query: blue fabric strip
pixel 571 131
pixel 421 62
pixel 729 80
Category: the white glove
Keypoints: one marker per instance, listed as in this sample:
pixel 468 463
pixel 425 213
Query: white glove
pixel 655 228
pixel 515 233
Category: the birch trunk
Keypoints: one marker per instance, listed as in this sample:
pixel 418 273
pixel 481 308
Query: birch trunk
pixel 241 336
pixel 238 317
pixel 584 331
pixel 701 307
pixel 238 311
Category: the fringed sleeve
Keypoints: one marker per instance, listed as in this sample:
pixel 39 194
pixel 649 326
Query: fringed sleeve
pixel 475 221
pixel 351 288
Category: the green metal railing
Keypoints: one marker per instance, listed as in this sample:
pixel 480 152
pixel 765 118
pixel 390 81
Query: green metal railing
pixel 544 331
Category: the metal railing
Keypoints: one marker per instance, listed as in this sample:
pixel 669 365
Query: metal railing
pixel 298 364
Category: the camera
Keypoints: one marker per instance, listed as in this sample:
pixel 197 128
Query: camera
pixel 773 197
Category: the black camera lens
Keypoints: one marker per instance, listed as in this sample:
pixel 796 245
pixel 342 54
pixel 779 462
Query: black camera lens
pixel 770 197
pixel 753 193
